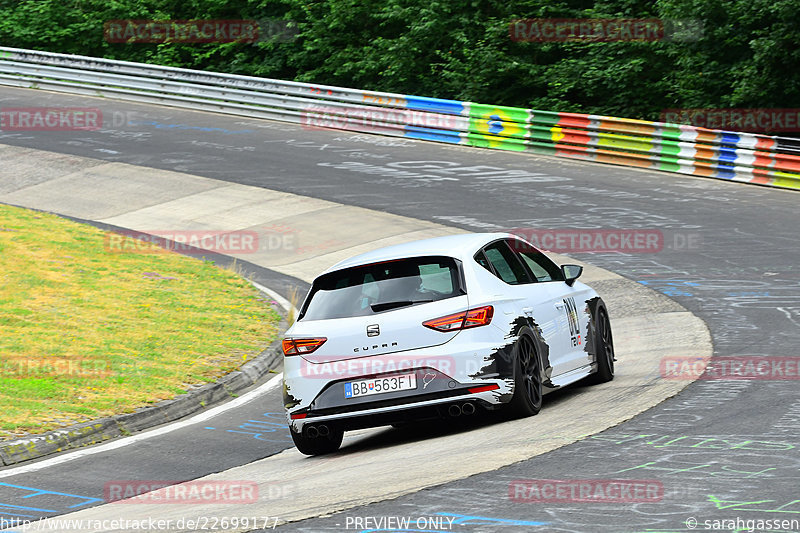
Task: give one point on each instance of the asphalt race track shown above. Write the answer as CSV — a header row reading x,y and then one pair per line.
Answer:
x,y
721,449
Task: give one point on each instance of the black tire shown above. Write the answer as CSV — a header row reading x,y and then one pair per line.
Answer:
x,y
603,347
527,399
319,445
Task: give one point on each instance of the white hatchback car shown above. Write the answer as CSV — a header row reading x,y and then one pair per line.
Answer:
x,y
438,328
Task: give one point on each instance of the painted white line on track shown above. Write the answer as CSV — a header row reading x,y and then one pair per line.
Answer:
x,y
125,441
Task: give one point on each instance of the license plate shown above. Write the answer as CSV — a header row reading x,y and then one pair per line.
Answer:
x,y
366,387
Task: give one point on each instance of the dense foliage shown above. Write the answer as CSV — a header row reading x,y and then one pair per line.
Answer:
x,y
748,55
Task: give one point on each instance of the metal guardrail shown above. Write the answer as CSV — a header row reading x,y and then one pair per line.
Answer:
x,y
746,157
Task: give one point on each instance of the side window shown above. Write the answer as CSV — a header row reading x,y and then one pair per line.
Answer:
x,y
538,263
507,266
480,258
538,270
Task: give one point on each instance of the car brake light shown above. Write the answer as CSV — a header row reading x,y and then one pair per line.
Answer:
x,y
302,346
480,316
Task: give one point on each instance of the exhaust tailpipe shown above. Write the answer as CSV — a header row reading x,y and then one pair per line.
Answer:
x,y
312,432
323,430
468,409
454,410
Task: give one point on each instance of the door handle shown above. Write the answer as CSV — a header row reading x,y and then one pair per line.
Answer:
x,y
527,310
559,305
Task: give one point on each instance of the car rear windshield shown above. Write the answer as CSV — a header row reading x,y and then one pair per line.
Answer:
x,y
380,287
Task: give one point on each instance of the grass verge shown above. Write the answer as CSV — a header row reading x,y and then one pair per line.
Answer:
x,y
86,332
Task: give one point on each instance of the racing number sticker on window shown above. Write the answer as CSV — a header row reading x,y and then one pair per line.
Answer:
x,y
572,319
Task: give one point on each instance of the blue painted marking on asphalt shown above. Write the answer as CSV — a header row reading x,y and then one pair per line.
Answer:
x,y
25,508
677,287
464,520
670,287
42,492
258,428
469,520
406,531
18,515
672,281
258,436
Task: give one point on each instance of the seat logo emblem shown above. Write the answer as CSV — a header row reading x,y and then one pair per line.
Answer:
x,y
373,330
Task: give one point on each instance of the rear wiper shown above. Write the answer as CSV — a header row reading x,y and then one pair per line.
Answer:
x,y
385,306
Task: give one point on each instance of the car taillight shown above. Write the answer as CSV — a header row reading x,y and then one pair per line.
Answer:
x,y
302,346
480,316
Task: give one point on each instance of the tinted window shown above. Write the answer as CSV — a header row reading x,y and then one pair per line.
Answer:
x,y
436,277
380,287
538,263
506,265
482,261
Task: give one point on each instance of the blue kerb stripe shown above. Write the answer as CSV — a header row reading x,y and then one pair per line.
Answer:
x,y
725,171
434,105
729,137
431,134
727,155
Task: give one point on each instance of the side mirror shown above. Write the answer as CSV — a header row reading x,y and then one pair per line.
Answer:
x,y
571,273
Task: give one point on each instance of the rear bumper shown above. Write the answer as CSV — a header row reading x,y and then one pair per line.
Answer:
x,y
445,373
383,415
